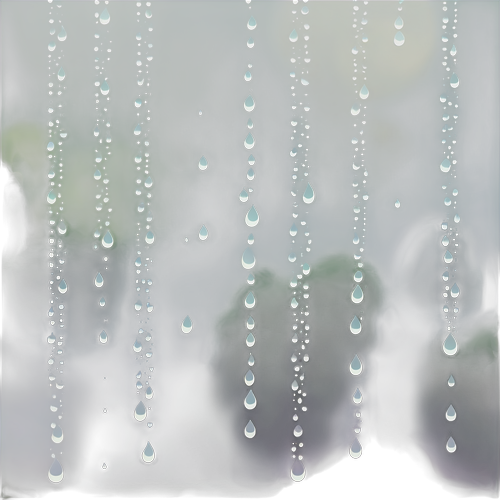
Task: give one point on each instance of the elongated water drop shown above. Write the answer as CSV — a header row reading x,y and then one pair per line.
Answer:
x,y
250,430
364,93
252,217
50,146
451,414
357,295
250,300
61,227
61,75
358,276
99,280
137,347
293,36
294,303
357,397
140,412
293,230
249,142
294,385
56,473
248,76
149,393
52,46
148,454
203,163
399,39
149,238
96,131
450,346
250,401
203,234
298,471
445,241
298,431
448,258
355,109
137,129
62,35
308,196
398,23
453,51
104,18
451,446
249,104
445,165
51,338
355,239
251,360
57,434
107,240
249,378
355,450
248,259
355,325
62,287
104,88
356,367
103,337
454,81
250,323
187,325
250,340
451,381
455,291
252,23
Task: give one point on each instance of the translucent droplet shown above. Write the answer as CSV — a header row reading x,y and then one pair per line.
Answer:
x,y
107,240
445,241
293,230
451,381
451,446
304,82
52,46
248,259
453,51
455,291
137,129
250,401
355,325
357,295
57,435
364,93
187,325
250,323
62,35
251,360
358,276
148,14
399,39
250,43
252,23
249,142
397,203
448,258
137,347
104,18
251,161
51,197
295,385
454,81
138,103
294,303
292,257
306,268
102,302
355,450
250,430
298,471
450,346
445,165
249,104
203,234
249,378
250,340
355,238
398,23
293,36
250,300
140,412
356,367
252,217
56,473
149,393
250,123
149,238
308,196
103,337
99,280
148,454
96,131
61,227
62,287
456,218
104,88
61,75
357,397
50,146
203,163
355,109
51,338
451,414
248,76
298,431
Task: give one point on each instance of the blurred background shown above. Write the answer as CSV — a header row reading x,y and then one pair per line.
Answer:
x,y
200,58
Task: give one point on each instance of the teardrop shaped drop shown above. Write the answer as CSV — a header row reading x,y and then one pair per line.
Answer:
x,y
451,414
450,346
249,104
250,401
137,129
252,23
357,397
355,450
140,412
149,238
298,431
454,81
107,240
357,295
252,217
51,338
445,241
399,39
62,35
104,18
398,23
137,347
203,234
445,165
356,367
250,174
104,88
149,393
62,287
243,196
186,325
448,258
248,259
51,197
250,340
298,471
355,239
251,360
148,454
364,93
61,227
57,434
250,300
148,183
308,196
249,378
455,291
355,325
451,446
203,163
103,337
355,109
358,276
50,146
61,75
99,280
56,473
293,230
451,381
293,36
295,385
250,430
294,303
249,142
453,51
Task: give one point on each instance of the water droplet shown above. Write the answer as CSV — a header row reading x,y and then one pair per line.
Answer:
x,y
306,269
251,161
104,88
399,39
454,81
451,446
250,401
295,385
249,142
61,227
450,346
140,412
104,18
451,414
137,130
148,454
250,300
99,280
298,431
456,218
52,46
50,146
203,234
148,14
252,23
107,240
356,367
250,43
103,337
292,257
137,347
304,10
397,203
62,287
62,35
203,163
56,473
355,109
250,123
355,325
187,325
358,276
251,360
451,381
357,295
293,36
445,241
250,323
298,471
250,340
248,259
57,435
304,82
149,238
308,196
149,393
294,303
293,230
398,23
51,197
355,238
249,378
355,450
250,430
364,93
51,338
357,397
96,131
252,217
455,291
448,258
445,165
138,103
248,76
453,51
61,75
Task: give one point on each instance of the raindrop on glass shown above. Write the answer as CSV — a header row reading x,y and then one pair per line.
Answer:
x,y
451,381
203,234
451,446
454,81
103,337
455,291
364,93
250,401
250,430
451,414
252,23
99,280
450,346
252,217
249,142
107,240
104,88
249,378
355,325
148,454
61,75
298,471
293,36
56,473
187,325
398,23
250,301
308,196
62,287
140,412
248,259
357,295
203,163
356,367
104,18
355,450
357,397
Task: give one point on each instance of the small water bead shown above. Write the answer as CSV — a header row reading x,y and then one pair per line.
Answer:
x,y
250,430
149,238
51,338
298,471
57,434
446,276
357,295
295,385
451,414
250,301
250,43
293,36
252,217
250,340
203,234
148,183
399,39
248,259
203,163
248,76
52,46
447,202
250,279
445,241
251,360
251,161
455,291
62,287
357,397
138,103
51,197
56,473
292,257
187,325
356,367
102,302
104,18
148,14
355,239
249,142
355,109
304,10
355,325
137,129
61,75
50,146
140,412
99,280
450,346
107,240
304,82
456,218
398,23
451,381
250,323
448,258
250,400
249,378
306,269
104,88
148,454
454,81
445,165
243,196
355,450
294,303
455,192
364,93
358,276
451,446
298,431
137,347
252,23
250,123
61,227
149,393
103,337
453,51
308,195
397,203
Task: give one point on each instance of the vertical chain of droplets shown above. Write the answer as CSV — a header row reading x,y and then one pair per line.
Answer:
x,y
57,227
248,258
300,243
360,195
399,38
449,241
102,150
144,234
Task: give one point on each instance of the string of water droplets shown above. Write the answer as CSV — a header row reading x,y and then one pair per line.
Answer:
x,y
57,228
399,38
248,258
144,234
360,195
300,243
449,241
